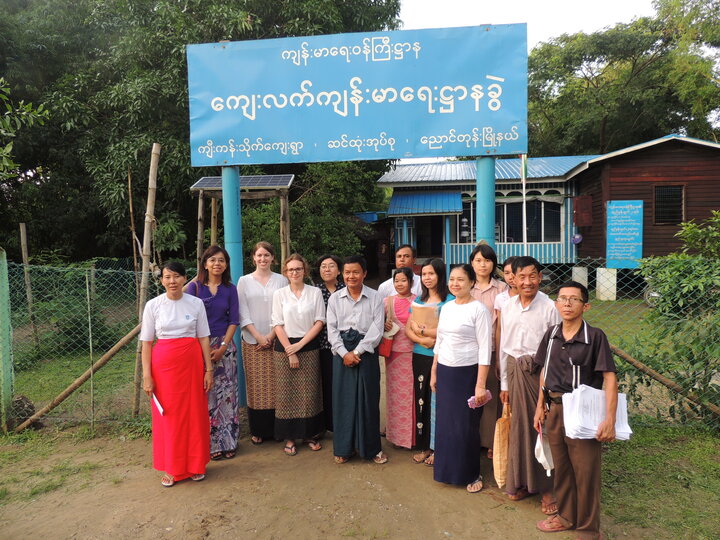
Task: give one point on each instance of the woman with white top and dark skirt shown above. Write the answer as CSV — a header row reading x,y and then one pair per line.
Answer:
x,y
459,372
298,315
255,293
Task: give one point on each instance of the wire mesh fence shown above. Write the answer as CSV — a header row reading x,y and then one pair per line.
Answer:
x,y
664,316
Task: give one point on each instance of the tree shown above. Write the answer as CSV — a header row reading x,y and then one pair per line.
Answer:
x,y
125,87
13,118
593,93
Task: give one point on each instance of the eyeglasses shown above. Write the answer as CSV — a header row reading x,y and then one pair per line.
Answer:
x,y
332,266
294,270
569,300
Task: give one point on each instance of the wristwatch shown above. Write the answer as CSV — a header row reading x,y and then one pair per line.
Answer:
x,y
223,344
356,352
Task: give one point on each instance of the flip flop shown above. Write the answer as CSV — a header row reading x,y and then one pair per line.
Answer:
x,y
430,460
380,458
217,456
197,477
341,459
549,509
551,524
256,440
230,454
167,481
472,487
422,456
314,445
519,495
290,449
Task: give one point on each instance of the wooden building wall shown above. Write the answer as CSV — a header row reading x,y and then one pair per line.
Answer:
x,y
634,176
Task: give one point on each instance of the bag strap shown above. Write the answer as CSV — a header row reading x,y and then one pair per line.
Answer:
x,y
547,355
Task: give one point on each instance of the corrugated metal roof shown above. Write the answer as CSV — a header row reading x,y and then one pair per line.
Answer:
x,y
464,172
425,202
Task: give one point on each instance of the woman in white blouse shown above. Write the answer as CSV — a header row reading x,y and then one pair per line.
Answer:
x,y
255,292
460,369
177,374
298,316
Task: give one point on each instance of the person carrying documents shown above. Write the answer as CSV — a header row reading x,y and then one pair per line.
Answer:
x,y
573,353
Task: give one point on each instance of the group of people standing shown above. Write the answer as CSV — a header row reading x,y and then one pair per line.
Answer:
x,y
462,347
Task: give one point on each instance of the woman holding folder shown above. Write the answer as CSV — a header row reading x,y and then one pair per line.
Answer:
x,y
177,374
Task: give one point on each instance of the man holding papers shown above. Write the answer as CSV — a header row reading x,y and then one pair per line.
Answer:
x,y
571,354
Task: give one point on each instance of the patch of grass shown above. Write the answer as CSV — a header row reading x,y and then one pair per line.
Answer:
x,y
46,486
4,493
618,318
665,479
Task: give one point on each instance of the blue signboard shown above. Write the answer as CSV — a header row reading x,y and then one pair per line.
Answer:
x,y
624,233
413,93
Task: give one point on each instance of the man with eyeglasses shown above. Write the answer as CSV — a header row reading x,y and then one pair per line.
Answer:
x,y
523,322
576,353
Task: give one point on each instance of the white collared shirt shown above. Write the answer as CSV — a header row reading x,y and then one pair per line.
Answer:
x,y
387,287
522,328
256,303
366,315
297,315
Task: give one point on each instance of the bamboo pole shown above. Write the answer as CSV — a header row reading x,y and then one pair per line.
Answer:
x,y
145,281
672,385
133,235
81,379
284,226
28,286
213,221
200,227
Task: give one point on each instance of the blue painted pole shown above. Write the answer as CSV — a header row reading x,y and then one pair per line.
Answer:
x,y
232,225
447,247
485,203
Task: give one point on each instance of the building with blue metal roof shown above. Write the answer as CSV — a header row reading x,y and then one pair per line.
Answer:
x,y
433,207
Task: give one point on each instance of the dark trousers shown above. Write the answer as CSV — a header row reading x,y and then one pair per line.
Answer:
x,y
422,367
576,476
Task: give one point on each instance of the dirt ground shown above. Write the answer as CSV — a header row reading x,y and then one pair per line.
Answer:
x,y
261,493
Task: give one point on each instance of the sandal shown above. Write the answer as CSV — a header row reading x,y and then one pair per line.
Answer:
x,y
290,449
552,524
314,445
340,460
167,480
256,440
548,508
475,486
216,456
430,460
519,495
422,456
229,454
197,477
490,453
380,458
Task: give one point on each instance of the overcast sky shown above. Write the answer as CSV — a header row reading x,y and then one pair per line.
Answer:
x,y
545,18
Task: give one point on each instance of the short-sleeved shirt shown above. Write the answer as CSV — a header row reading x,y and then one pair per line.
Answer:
x,y
417,348
579,360
297,315
221,308
256,303
464,335
164,318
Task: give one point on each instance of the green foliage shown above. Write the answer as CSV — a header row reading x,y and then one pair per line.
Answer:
x,y
689,285
13,118
114,77
702,238
594,93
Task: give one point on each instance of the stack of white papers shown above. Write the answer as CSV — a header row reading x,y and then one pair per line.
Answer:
x,y
584,411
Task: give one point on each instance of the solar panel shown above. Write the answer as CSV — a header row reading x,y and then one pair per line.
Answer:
x,y
259,181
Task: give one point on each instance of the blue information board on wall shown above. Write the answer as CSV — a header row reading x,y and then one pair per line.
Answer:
x,y
624,233
383,95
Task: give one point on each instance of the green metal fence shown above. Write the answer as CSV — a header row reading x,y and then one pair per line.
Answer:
x,y
665,318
